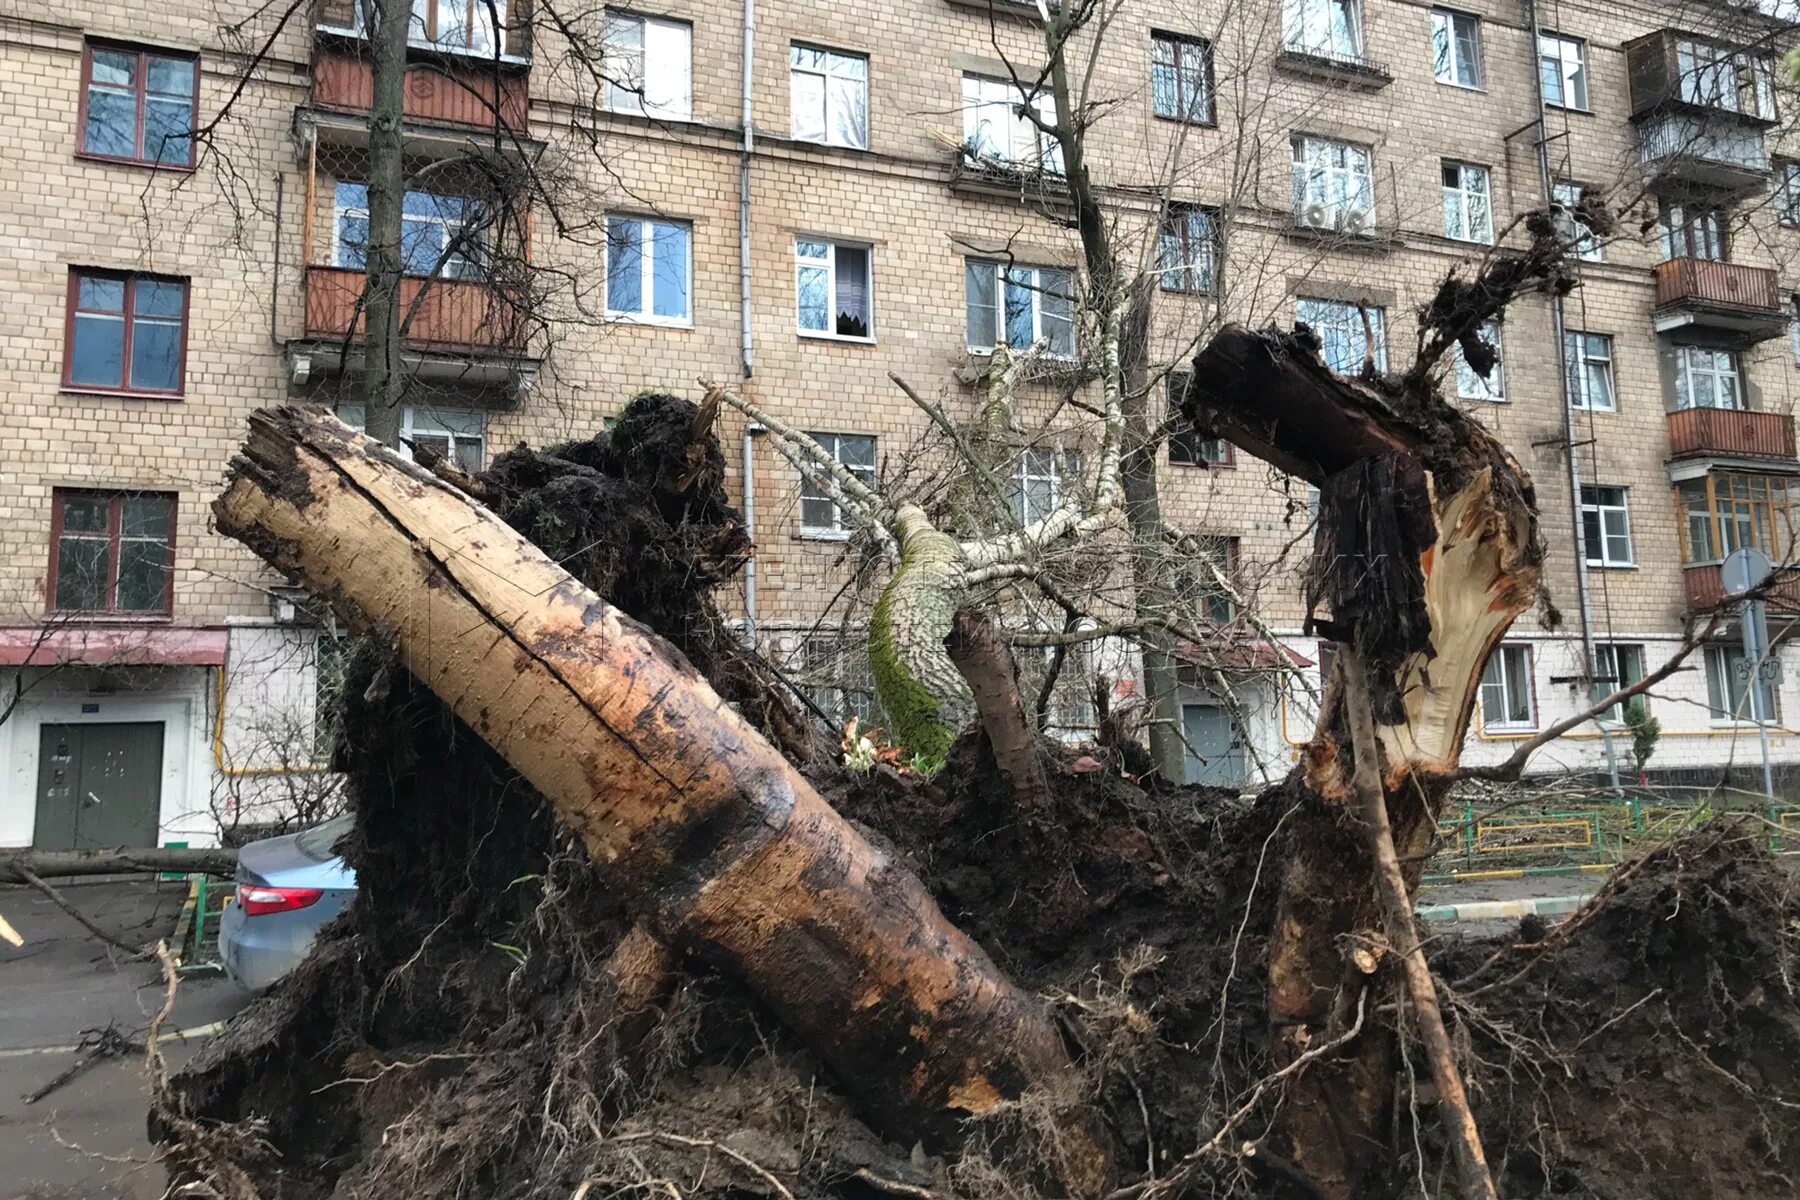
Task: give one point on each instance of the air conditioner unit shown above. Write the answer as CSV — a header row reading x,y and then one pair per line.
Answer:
x,y
1336,219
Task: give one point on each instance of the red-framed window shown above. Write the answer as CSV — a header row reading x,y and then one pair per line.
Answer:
x,y
138,105
112,553
126,332
1190,446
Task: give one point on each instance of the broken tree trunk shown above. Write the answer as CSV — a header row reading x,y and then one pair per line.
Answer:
x,y
56,864
978,651
725,849
1426,549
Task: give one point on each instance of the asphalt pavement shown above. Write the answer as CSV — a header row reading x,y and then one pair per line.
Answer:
x,y
59,991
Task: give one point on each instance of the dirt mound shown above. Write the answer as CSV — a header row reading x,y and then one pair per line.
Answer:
x,y
1650,1047
467,1029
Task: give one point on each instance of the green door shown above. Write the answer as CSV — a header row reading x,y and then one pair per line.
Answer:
x,y
99,785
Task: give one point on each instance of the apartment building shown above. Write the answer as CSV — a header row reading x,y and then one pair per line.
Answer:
x,y
800,202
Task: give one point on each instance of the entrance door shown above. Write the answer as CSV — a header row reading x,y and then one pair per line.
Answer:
x,y
1215,747
99,785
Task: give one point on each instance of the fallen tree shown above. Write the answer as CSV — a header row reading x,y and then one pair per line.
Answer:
x,y
123,861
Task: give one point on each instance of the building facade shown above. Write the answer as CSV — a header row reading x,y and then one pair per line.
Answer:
x,y
802,205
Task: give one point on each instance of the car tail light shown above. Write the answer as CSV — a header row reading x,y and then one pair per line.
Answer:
x,y
260,900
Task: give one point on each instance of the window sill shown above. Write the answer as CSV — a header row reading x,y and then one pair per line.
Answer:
x,y
1355,73
813,335
1584,112
1227,465
1482,399
1509,729
1605,566
1366,243
142,164
1582,408
1209,123
824,144
1018,9
1477,88
619,318
90,616
823,535
69,389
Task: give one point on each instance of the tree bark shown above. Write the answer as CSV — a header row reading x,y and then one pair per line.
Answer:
x,y
56,864
726,850
383,371
979,653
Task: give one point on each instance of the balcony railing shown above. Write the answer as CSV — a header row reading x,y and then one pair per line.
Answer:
x,y
1733,433
1725,297
445,93
1705,149
1705,588
454,314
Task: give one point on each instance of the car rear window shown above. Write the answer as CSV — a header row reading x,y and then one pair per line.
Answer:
x,y
318,842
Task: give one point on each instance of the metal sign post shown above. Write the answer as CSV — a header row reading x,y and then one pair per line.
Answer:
x,y
1743,570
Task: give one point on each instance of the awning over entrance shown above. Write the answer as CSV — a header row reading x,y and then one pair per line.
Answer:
x,y
112,646
1241,654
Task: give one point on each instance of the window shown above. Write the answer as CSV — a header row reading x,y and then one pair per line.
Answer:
x,y
1729,693
1573,225
1187,249
1562,70
1349,334
1507,698
1692,231
834,670
819,513
650,68
1037,482
1323,28
1718,77
1617,666
139,106
828,92
1469,383
476,26
1181,81
456,434
1189,445
1333,185
996,129
1587,361
1707,378
1021,306
1728,511
1468,203
1215,565
126,333
439,235
1606,526
1788,193
1456,48
833,290
112,552
648,270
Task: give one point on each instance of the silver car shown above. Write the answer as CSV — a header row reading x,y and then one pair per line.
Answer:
x,y
287,889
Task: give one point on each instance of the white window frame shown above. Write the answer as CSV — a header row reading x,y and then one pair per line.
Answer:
x,y
1338,179
829,264
1459,55
995,104
1344,319
1469,385
1507,663
833,444
1469,202
1579,358
1721,371
1723,700
1584,243
1563,51
837,67
1032,279
1610,508
464,264
663,60
1040,465
647,315
431,421
1719,77
1308,27
1609,662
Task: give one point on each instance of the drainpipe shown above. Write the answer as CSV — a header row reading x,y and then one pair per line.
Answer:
x,y
746,361
1557,325
748,473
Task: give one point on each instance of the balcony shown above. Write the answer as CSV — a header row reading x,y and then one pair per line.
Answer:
x,y
1705,588
454,314
1674,71
450,90
1730,433
1736,302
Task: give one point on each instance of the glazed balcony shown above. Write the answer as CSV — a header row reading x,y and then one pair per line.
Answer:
x,y
1672,71
453,315
1739,302
1730,433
